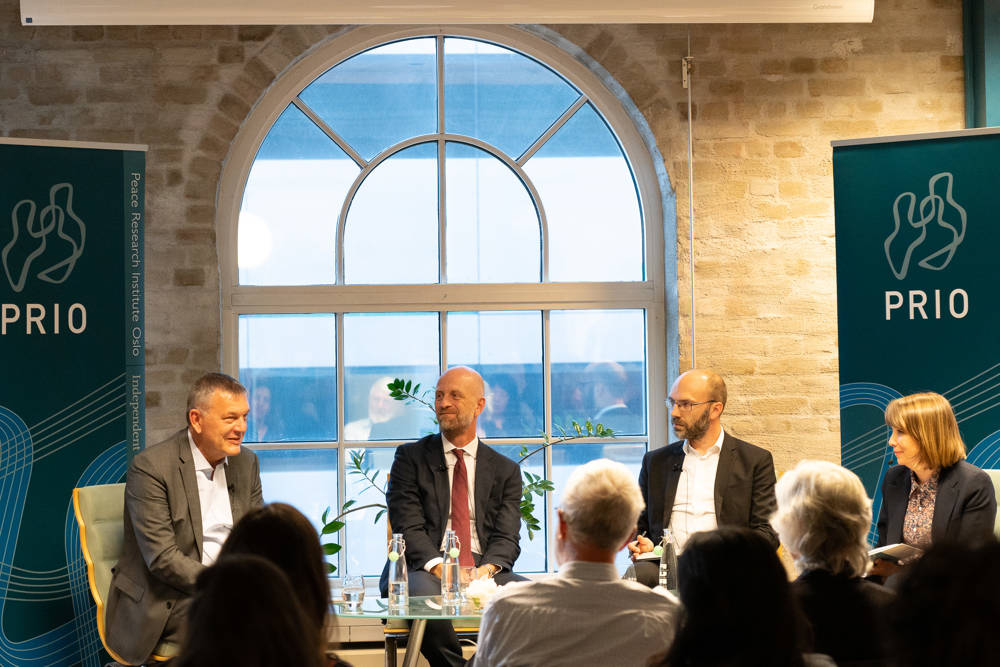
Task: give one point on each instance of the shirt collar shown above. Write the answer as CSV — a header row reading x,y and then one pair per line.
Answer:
x,y
470,449
582,569
714,449
201,464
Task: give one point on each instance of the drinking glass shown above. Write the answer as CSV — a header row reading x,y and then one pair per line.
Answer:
x,y
354,591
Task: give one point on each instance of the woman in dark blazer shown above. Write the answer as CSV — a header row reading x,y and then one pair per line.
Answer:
x,y
933,495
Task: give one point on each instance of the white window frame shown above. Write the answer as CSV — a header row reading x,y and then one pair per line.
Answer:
x,y
656,294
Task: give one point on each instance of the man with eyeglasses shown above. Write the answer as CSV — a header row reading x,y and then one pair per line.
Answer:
x,y
706,480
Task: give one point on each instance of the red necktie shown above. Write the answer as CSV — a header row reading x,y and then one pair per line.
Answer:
x,y
460,509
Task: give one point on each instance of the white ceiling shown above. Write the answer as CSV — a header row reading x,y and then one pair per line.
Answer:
x,y
272,12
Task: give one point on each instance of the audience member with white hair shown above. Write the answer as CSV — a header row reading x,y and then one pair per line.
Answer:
x,y
823,518
586,614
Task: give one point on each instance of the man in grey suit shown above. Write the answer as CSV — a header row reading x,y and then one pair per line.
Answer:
x,y
182,497
425,477
709,479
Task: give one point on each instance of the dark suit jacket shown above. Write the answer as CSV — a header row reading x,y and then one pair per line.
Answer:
x,y
847,614
964,510
161,552
419,500
744,487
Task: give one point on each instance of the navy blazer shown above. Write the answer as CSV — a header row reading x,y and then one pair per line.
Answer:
x,y
964,510
419,501
744,488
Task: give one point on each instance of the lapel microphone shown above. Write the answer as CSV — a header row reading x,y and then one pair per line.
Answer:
x,y
678,467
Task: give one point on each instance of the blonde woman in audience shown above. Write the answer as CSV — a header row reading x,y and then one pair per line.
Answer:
x,y
822,520
933,494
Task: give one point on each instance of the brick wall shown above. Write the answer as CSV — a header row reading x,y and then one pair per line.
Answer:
x,y
767,102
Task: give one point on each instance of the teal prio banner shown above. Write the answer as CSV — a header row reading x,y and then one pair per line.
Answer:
x,y
72,389
918,235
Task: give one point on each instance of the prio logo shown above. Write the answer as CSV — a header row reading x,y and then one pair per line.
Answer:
x,y
939,241
934,244
46,245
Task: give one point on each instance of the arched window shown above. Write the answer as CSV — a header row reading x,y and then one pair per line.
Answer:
x,y
402,201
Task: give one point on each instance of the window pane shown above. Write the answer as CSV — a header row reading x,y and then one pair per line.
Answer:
x,y
566,458
493,232
392,226
293,197
532,558
367,540
288,364
590,203
499,96
383,345
506,348
599,368
305,478
380,97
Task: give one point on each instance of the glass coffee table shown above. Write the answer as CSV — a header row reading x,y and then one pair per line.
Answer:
x,y
419,610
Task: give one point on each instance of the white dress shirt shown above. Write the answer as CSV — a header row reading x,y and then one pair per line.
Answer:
x,y
694,502
216,511
587,615
450,459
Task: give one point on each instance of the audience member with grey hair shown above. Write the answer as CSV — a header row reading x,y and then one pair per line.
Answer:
x,y
823,518
585,615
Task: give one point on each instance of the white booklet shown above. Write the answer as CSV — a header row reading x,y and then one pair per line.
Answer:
x,y
896,552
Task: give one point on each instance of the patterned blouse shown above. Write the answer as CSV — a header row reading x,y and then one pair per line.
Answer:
x,y
920,511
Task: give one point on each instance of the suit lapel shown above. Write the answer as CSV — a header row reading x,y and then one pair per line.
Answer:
x,y
897,495
484,479
947,497
726,458
674,464
439,473
187,474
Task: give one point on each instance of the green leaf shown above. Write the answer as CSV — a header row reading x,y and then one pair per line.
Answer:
x,y
576,427
331,568
416,388
347,504
331,548
326,513
332,527
379,515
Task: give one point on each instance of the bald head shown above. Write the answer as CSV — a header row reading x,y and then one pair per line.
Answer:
x,y
458,402
705,383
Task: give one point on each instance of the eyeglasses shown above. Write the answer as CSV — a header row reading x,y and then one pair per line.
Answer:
x,y
685,406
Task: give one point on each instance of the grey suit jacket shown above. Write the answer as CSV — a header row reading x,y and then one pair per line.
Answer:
x,y
964,510
419,501
744,487
161,552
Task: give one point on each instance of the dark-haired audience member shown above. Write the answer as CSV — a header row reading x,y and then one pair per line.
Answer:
x,y
245,613
948,607
283,535
737,606
823,519
933,494
586,615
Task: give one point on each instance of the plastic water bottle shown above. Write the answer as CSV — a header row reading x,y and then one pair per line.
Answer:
x,y
451,588
399,586
668,561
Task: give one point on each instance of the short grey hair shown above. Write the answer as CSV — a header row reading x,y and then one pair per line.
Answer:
x,y
208,384
601,504
823,518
